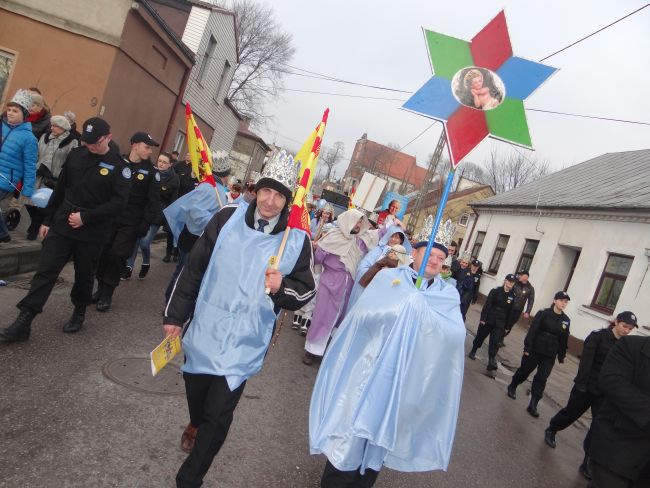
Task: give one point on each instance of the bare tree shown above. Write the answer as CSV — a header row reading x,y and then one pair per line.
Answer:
x,y
506,173
264,48
330,158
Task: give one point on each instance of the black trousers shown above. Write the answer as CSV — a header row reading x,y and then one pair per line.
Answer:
x,y
512,319
37,215
57,251
544,365
604,478
211,405
579,402
114,255
333,478
492,329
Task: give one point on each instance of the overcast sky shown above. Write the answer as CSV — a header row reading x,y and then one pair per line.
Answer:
x,y
381,43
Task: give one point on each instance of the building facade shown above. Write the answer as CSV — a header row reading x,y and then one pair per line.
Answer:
x,y
248,153
399,169
117,59
584,230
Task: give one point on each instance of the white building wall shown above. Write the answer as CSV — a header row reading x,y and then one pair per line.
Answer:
x,y
195,28
559,239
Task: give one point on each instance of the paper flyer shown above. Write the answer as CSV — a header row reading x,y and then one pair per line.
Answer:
x,y
163,353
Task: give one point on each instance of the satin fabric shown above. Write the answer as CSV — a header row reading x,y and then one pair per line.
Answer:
x,y
234,319
194,209
388,389
371,258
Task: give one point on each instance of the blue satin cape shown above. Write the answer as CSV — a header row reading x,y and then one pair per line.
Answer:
x,y
233,318
194,209
388,390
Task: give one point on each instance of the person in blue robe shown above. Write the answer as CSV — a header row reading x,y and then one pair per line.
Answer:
x,y
388,390
229,319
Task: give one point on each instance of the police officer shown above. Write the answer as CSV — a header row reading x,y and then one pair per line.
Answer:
x,y
494,317
547,339
187,178
141,211
469,285
524,298
92,189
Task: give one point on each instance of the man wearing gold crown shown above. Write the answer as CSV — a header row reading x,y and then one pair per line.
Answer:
x,y
388,390
232,323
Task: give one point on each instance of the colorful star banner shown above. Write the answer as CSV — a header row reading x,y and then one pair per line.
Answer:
x,y
478,88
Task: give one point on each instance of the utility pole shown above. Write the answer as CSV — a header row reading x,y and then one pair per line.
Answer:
x,y
428,182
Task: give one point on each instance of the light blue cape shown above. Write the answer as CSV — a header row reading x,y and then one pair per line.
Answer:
x,y
388,389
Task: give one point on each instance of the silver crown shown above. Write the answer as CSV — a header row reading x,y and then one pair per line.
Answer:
x,y
23,98
221,165
281,168
444,236
328,208
448,260
465,256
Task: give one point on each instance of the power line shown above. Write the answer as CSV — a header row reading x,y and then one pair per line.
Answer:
x,y
589,116
594,33
344,95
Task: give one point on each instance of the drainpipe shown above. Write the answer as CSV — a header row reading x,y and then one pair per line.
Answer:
x,y
179,100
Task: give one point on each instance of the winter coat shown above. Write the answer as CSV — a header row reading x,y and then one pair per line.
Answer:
x,y
524,296
18,156
548,334
169,183
52,153
597,346
497,307
621,430
40,123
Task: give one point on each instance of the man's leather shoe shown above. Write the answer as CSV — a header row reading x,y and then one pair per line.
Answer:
x,y
549,438
76,321
187,438
20,329
512,392
104,303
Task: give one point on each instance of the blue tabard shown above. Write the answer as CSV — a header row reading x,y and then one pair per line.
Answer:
x,y
194,209
233,319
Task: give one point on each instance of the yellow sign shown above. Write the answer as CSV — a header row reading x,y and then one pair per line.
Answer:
x,y
140,176
103,171
163,353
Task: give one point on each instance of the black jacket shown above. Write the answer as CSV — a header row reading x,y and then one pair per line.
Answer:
x,y
187,181
524,296
497,307
298,283
594,352
467,285
621,430
143,207
95,185
548,334
169,184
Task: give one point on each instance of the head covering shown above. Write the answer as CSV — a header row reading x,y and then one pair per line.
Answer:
x,y
221,167
340,242
561,295
465,256
403,256
442,239
328,208
94,129
512,278
279,174
392,230
524,271
22,98
143,137
60,121
71,116
627,317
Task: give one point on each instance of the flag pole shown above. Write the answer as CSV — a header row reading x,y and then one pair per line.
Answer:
x,y
441,207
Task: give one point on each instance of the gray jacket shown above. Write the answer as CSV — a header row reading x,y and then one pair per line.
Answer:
x,y
52,153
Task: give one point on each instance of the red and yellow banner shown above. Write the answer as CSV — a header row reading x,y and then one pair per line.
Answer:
x,y
308,157
200,153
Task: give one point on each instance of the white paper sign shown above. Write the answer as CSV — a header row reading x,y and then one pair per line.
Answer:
x,y
368,192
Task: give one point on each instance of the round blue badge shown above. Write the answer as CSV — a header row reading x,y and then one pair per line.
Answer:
x,y
126,172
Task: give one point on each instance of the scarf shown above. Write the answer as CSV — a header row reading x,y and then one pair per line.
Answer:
x,y
340,242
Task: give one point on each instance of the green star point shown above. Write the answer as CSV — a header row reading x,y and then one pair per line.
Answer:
x,y
448,54
508,122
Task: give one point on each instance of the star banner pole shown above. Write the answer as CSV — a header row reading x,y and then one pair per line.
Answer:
x,y
477,91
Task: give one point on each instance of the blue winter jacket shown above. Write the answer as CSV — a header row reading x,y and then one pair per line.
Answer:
x,y
18,157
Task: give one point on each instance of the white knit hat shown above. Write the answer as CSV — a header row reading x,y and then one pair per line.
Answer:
x,y
60,121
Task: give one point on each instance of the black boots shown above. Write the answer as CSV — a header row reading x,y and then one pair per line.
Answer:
x,y
472,353
167,258
76,321
104,299
532,406
492,363
584,468
512,391
144,269
549,438
20,329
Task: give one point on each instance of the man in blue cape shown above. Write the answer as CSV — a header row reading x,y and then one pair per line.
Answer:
x,y
222,289
388,390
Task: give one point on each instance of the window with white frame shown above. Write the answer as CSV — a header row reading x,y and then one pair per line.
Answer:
x,y
463,219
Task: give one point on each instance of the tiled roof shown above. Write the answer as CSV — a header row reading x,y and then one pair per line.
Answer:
x,y
431,199
614,180
396,164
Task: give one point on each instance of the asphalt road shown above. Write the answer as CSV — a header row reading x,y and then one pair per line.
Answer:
x,y
66,424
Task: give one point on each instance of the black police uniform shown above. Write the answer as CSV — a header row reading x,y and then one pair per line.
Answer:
x,y
494,317
141,211
547,339
467,286
98,187
187,181
524,298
